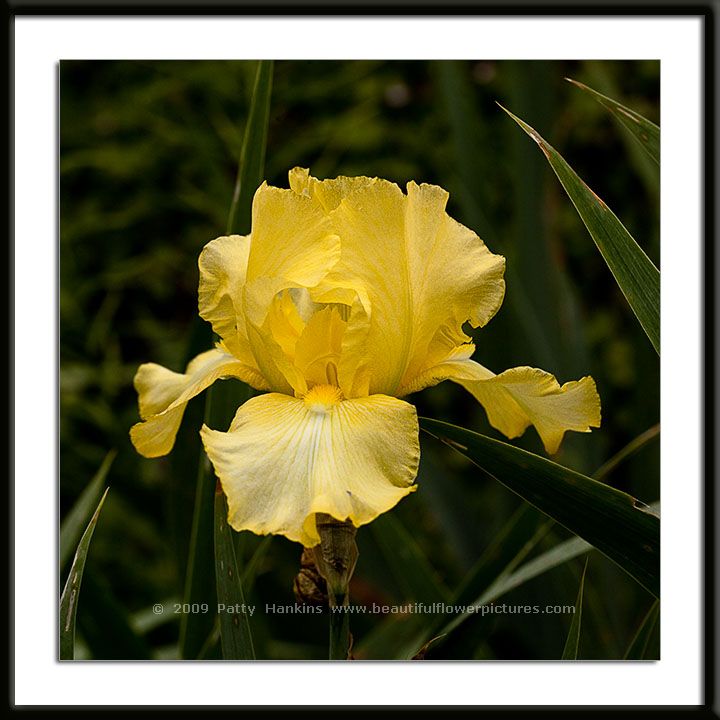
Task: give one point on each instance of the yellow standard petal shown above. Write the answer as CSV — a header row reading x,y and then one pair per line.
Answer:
x,y
454,279
163,395
328,193
525,396
285,459
292,239
223,268
419,273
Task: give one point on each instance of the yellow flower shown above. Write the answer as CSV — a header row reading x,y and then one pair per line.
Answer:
x,y
347,295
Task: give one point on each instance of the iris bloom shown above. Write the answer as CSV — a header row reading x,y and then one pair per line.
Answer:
x,y
347,296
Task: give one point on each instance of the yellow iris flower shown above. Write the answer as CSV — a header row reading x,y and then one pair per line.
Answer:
x,y
348,295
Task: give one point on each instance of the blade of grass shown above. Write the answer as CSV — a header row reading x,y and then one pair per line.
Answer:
x,y
633,270
495,573
532,88
76,520
145,620
645,132
572,642
522,532
252,155
71,592
235,633
517,539
642,645
563,552
612,521
200,583
407,561
200,576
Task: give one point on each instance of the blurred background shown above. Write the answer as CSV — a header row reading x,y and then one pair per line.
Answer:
x,y
147,167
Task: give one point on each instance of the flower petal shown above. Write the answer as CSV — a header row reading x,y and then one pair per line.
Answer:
x,y
454,278
285,459
371,223
223,267
274,326
525,396
317,352
328,193
424,274
292,239
163,395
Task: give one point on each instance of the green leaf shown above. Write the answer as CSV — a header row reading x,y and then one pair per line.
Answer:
x,y
612,521
145,620
200,575
572,642
252,157
643,645
562,552
235,634
71,592
498,570
76,520
200,579
645,132
633,270
520,535
407,561
525,528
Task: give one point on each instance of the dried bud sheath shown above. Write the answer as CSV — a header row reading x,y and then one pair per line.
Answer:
x,y
335,556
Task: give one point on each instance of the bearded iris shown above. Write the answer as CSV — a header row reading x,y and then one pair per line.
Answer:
x,y
347,295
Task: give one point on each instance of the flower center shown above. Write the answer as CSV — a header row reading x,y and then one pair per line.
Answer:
x,y
321,398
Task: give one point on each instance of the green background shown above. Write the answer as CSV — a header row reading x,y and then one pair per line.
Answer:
x,y
147,166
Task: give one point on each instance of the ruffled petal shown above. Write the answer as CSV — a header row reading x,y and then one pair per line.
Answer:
x,y
285,459
454,278
525,396
371,223
223,268
421,274
292,239
328,193
274,326
163,395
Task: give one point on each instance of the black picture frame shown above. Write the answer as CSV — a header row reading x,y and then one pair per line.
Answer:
x,y
708,12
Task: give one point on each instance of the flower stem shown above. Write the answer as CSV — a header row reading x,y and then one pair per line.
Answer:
x,y
335,559
339,631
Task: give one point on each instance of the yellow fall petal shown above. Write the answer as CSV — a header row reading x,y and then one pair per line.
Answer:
x,y
525,396
285,459
163,395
